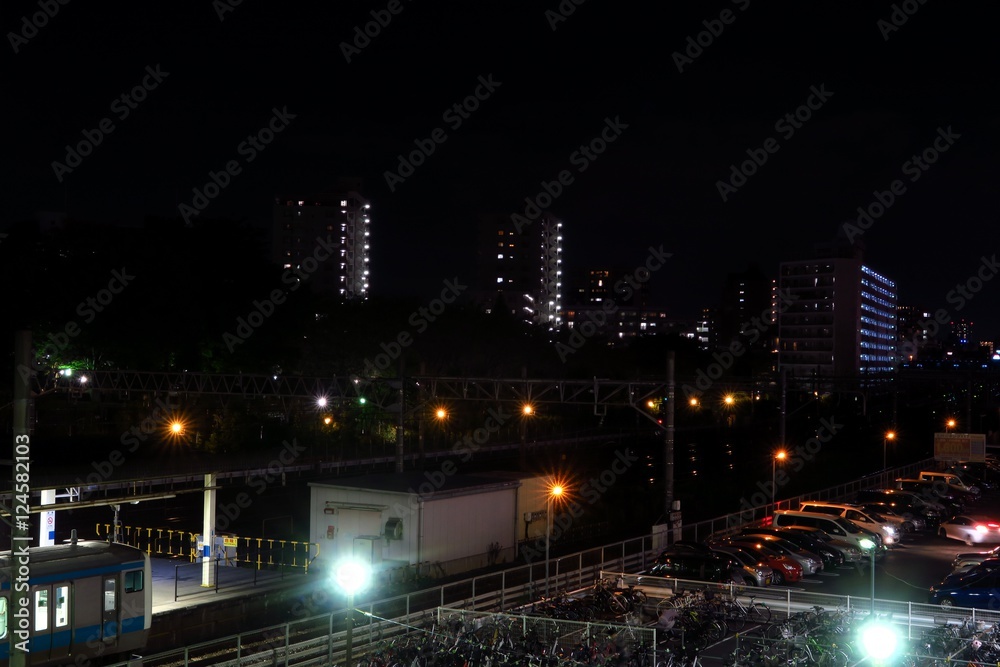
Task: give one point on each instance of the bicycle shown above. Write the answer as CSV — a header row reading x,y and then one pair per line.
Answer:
x,y
755,613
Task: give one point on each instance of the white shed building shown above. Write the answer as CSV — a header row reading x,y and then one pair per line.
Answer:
x,y
430,523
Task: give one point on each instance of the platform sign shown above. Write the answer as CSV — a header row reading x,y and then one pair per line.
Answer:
x,y
960,447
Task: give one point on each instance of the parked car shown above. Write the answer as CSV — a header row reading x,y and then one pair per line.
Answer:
x,y
850,553
935,491
906,522
758,572
967,560
979,591
785,569
856,515
951,479
811,563
836,526
987,565
905,503
698,565
971,529
830,555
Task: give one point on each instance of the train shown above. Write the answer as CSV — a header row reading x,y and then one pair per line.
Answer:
x,y
88,602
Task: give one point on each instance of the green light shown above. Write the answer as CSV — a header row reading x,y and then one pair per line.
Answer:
x,y
362,400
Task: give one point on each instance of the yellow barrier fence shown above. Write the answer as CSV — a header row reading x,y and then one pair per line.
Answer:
x,y
258,552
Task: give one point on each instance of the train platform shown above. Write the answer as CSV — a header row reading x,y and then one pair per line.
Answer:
x,y
179,584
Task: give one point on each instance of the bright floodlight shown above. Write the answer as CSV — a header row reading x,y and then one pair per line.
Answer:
x,y
321,401
557,490
176,427
879,641
866,544
527,409
352,576
440,413
729,400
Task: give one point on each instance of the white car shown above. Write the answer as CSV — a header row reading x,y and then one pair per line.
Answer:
x,y
971,529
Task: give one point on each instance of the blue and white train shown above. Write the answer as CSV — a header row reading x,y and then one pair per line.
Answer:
x,y
86,601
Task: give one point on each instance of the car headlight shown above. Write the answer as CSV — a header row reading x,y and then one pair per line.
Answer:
x,y
788,567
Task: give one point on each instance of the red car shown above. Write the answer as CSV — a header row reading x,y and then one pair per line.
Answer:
x,y
785,569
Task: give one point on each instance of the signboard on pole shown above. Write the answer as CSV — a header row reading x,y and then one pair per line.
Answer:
x,y
960,447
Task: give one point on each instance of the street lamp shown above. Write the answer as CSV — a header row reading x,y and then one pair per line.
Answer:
x,y
351,576
555,492
948,425
869,546
779,455
879,641
889,435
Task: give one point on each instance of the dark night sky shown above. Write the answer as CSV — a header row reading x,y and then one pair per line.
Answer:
x,y
656,184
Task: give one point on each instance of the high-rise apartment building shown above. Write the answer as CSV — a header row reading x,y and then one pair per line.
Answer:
x,y
838,318
521,270
324,240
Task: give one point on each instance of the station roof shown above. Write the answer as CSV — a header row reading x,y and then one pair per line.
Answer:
x,y
432,483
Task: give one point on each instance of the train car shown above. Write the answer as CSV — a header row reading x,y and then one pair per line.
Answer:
x,y
87,600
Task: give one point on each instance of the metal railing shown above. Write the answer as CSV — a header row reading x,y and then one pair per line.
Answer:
x,y
256,552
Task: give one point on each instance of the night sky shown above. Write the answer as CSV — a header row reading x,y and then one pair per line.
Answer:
x,y
681,93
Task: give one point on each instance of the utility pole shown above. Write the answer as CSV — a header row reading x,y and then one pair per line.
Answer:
x,y
668,445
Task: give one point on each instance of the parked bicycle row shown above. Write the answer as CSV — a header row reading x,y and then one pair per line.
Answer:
x,y
502,640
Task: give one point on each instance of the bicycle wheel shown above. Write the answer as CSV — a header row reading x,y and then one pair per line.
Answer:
x,y
736,618
759,613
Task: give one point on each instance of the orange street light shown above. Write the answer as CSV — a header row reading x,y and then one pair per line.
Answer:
x,y
556,491
889,435
779,455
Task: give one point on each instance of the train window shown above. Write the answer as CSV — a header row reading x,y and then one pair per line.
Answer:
x,y
133,581
109,595
41,610
62,606
3,618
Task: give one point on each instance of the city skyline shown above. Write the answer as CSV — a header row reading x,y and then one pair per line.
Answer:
x,y
731,135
